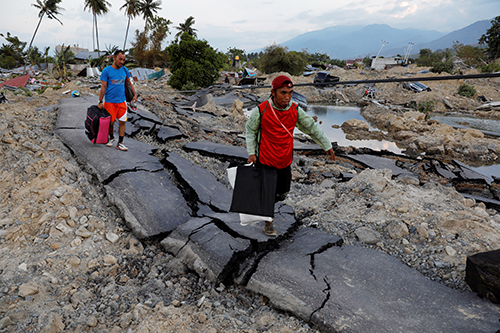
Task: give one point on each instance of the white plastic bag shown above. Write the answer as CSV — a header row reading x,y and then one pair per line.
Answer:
x,y
245,219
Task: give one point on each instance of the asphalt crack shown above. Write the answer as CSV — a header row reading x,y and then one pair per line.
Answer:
x,y
124,171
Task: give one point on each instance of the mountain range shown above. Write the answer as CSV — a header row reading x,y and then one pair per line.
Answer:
x,y
357,41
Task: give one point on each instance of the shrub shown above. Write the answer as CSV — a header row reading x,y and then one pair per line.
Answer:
x,y
490,68
426,107
466,90
443,66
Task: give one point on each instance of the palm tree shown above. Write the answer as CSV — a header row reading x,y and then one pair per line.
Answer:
x,y
148,8
187,26
97,8
132,11
62,60
47,7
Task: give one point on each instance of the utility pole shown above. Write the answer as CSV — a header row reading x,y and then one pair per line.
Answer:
x,y
407,53
375,61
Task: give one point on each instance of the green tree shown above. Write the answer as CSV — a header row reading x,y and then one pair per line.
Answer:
x,y
492,39
147,46
232,52
469,54
11,54
47,7
132,10
276,58
338,62
193,63
97,8
187,26
440,61
148,9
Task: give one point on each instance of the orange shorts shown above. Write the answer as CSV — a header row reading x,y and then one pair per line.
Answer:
x,y
117,110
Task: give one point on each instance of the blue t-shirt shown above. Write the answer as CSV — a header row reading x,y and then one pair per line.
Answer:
x,y
115,90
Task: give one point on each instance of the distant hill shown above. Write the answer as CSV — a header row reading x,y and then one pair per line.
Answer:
x,y
349,42
468,35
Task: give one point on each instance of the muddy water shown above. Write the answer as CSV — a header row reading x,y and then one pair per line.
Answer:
x,y
329,115
481,124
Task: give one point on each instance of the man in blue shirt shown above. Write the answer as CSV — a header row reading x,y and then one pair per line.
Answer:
x,y
113,92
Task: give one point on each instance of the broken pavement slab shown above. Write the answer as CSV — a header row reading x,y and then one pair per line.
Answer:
x,y
378,162
284,223
217,150
135,180
355,289
208,190
219,248
208,250
150,203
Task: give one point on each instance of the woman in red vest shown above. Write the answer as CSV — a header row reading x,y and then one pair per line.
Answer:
x,y
269,136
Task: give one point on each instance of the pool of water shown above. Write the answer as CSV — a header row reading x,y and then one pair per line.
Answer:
x,y
330,115
481,124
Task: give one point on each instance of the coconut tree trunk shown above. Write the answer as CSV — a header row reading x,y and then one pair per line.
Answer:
x,y
97,37
93,34
126,34
32,39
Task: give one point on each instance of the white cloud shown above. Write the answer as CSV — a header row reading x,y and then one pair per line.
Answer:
x,y
246,25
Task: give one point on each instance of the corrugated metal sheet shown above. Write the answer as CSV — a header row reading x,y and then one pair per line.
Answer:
x,y
19,81
93,71
140,74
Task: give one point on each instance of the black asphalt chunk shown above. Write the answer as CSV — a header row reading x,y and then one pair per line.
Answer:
x,y
203,247
355,289
165,133
218,150
378,162
131,129
467,173
145,124
284,223
150,203
208,190
107,161
147,115
306,147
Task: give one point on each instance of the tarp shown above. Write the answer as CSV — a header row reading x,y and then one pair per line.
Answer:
x,y
156,75
248,72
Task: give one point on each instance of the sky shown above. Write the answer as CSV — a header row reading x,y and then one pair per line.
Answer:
x,y
247,25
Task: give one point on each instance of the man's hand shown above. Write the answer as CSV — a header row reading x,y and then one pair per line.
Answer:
x,y
134,99
331,154
252,159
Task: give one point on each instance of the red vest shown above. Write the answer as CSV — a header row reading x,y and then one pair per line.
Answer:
x,y
276,142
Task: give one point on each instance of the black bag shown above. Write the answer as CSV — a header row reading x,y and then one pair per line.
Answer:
x,y
129,94
254,191
97,124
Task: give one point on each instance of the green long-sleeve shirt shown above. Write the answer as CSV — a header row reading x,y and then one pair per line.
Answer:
x,y
305,124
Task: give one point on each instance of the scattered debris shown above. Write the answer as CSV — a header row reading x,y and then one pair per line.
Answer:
x,y
416,86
